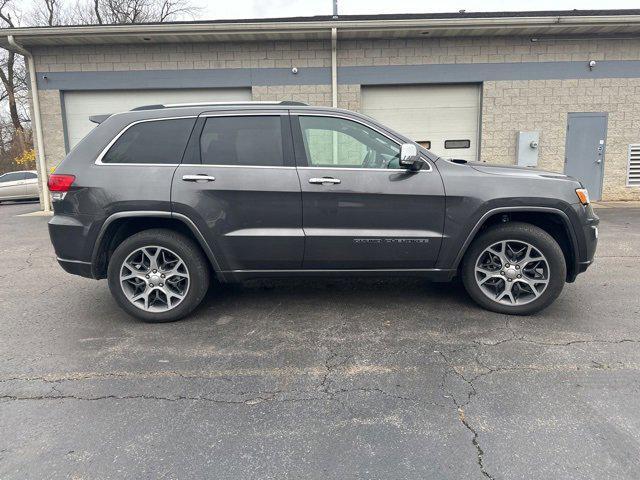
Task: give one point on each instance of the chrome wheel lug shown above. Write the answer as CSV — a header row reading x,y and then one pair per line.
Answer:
x,y
151,284
507,265
501,273
511,280
519,276
155,271
147,276
517,267
162,276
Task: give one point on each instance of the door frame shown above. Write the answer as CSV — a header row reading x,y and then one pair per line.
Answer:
x,y
604,152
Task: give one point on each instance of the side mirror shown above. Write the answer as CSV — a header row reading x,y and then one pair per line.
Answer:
x,y
409,157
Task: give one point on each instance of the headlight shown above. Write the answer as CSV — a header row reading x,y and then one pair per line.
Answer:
x,y
583,195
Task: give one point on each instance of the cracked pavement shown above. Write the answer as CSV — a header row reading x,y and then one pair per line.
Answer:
x,y
391,378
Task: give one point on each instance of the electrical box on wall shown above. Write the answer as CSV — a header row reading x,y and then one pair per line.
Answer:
x,y
527,152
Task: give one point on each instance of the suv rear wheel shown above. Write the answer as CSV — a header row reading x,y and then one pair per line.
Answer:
x,y
158,275
514,268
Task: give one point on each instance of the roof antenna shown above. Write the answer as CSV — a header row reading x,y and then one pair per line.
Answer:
x,y
335,9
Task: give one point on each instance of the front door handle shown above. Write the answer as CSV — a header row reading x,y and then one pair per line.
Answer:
x,y
323,180
198,178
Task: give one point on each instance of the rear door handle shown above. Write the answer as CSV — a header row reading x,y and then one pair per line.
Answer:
x,y
198,178
323,180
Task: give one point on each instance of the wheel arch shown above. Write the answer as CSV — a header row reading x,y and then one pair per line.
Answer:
x,y
552,220
121,225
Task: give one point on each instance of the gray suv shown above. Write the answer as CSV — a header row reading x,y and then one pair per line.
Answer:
x,y
160,199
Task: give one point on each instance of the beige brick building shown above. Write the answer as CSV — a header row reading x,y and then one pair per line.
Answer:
x,y
475,78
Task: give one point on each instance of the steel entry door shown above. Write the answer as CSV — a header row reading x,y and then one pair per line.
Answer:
x,y
585,148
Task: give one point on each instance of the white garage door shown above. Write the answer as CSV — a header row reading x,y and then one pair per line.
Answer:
x,y
80,105
443,118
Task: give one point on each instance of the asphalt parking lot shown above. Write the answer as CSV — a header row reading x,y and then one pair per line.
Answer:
x,y
371,378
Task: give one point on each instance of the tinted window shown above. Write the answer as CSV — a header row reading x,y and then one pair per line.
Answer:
x,y
242,140
457,144
29,175
161,141
336,142
12,177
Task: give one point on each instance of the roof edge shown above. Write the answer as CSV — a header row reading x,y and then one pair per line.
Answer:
x,y
567,18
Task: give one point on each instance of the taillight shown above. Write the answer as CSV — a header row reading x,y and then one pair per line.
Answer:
x,y
60,183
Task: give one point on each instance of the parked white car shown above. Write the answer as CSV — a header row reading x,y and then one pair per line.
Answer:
x,y
19,185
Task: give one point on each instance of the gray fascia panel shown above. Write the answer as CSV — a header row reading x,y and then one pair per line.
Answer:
x,y
373,75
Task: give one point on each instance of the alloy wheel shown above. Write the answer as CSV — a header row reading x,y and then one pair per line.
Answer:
x,y
512,272
154,279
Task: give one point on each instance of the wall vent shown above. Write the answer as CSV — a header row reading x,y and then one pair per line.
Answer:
x,y
633,166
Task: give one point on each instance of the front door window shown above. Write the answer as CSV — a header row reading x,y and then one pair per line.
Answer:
x,y
332,142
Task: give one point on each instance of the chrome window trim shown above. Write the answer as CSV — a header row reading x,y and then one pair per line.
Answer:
x,y
235,166
355,169
127,127
357,120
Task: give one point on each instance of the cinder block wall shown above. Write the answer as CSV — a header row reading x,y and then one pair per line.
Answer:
x,y
302,54
508,106
543,105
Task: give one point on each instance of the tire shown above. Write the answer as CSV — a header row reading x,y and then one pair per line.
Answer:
x,y
532,286
187,278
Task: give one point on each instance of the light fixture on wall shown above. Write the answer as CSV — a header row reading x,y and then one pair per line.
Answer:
x,y
294,70
592,64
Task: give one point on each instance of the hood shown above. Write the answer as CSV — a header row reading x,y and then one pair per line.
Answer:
x,y
515,171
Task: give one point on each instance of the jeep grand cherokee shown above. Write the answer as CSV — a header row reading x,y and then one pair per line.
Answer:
x,y
159,199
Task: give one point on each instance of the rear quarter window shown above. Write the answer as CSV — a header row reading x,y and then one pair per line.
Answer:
x,y
156,141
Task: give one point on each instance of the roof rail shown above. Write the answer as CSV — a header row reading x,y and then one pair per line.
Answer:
x,y
206,104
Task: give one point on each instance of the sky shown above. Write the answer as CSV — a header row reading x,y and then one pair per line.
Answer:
x,y
215,9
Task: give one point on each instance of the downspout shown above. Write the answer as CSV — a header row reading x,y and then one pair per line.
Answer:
x,y
334,85
334,67
37,123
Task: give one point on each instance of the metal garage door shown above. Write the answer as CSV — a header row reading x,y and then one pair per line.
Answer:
x,y
444,118
79,105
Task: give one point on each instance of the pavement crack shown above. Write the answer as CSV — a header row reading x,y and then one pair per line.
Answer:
x,y
514,337
331,363
261,398
476,444
461,414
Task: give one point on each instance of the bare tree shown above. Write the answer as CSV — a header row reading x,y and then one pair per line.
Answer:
x,y
50,13
12,81
131,11
15,138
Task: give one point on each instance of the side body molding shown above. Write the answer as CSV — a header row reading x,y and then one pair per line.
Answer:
x,y
158,214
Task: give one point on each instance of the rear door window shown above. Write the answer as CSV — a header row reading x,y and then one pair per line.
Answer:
x,y
158,142
242,141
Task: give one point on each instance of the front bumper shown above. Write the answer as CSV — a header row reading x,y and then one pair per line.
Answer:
x,y
588,237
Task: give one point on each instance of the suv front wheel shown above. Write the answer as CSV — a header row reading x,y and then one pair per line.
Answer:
x,y
514,268
158,275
